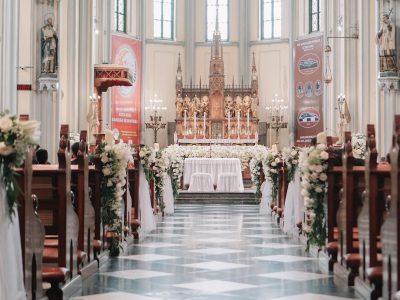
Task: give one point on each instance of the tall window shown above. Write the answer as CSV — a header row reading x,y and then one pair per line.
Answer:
x,y
270,19
222,18
315,15
120,15
164,19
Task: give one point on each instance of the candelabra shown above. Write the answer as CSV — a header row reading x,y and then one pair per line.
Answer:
x,y
276,117
155,119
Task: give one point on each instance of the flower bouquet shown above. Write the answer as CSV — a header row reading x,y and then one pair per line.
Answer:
x,y
255,170
271,170
147,157
16,137
291,159
315,187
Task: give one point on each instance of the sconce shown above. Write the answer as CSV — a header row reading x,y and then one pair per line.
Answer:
x,y
352,32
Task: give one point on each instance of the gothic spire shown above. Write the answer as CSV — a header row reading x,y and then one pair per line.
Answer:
x,y
253,67
179,64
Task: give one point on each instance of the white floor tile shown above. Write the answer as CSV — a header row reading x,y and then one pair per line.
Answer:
x,y
135,274
216,240
115,296
312,297
295,276
215,286
217,231
266,236
158,245
147,257
283,258
215,265
216,251
276,246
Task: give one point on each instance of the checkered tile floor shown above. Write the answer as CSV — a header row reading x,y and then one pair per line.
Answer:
x,y
214,252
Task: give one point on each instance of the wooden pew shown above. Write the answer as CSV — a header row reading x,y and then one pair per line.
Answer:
x,y
370,219
51,183
84,208
334,194
353,186
390,230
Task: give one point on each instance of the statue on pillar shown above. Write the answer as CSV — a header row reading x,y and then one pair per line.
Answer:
x,y
344,117
386,39
49,47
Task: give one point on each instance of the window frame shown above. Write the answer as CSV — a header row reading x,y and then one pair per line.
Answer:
x,y
273,20
311,14
227,22
118,15
162,20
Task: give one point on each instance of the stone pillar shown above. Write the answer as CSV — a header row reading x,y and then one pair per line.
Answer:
x,y
9,55
143,14
190,35
293,6
244,53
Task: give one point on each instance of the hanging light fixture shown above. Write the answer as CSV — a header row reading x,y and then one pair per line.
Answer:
x,y
328,71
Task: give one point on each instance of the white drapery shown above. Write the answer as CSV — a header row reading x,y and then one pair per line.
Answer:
x,y
201,183
11,275
294,206
168,196
146,216
265,198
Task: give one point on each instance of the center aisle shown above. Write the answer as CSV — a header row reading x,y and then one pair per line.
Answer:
x,y
214,252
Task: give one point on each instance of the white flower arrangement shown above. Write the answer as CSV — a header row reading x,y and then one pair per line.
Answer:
x,y
255,170
271,164
147,157
114,158
314,166
16,138
291,159
359,143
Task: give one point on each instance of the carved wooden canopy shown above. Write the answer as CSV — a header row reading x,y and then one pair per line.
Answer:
x,y
108,75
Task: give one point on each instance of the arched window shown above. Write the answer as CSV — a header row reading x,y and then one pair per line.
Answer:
x,y
270,19
164,15
315,15
222,18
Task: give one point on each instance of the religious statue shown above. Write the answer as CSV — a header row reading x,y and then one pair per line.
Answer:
x,y
345,117
179,106
228,106
49,47
92,118
196,104
246,105
386,39
254,106
204,104
238,105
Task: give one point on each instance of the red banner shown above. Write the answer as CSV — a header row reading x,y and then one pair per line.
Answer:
x,y
125,100
309,93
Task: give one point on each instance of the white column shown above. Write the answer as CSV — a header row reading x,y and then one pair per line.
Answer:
x,y
143,19
292,36
9,55
244,53
190,33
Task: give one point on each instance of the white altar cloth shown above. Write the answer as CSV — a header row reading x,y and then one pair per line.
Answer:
x,y
213,166
229,183
201,183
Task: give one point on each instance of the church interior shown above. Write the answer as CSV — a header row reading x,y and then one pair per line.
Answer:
x,y
199,149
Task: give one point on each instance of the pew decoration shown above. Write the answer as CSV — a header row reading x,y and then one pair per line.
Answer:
x,y
272,165
291,158
315,187
147,157
160,168
255,171
16,137
114,159
359,144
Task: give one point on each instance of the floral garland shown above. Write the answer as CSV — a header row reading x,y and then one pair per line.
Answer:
x,y
114,159
271,170
176,172
315,187
16,137
359,143
147,157
255,170
291,159
160,168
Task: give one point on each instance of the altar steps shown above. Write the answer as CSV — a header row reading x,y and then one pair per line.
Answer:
x,y
247,197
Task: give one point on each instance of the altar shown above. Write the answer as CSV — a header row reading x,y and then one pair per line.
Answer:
x,y
202,174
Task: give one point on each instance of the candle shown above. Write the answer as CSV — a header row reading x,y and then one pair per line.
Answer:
x,y
229,121
204,124
156,147
238,123
184,122
195,123
248,119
